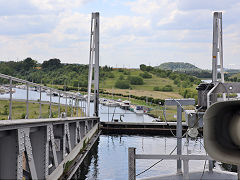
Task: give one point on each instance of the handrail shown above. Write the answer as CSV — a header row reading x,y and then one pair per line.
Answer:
x,y
65,94
132,156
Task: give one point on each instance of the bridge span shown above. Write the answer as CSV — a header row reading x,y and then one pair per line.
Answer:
x,y
42,148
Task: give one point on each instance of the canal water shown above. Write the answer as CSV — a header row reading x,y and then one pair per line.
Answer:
x,y
107,159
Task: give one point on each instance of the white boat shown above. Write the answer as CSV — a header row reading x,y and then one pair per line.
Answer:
x,y
111,103
138,110
21,86
103,101
125,105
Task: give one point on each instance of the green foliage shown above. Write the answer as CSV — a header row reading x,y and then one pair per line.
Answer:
x,y
146,75
126,72
23,115
135,80
143,67
5,111
121,77
186,68
177,66
156,88
51,64
167,88
189,93
122,84
111,75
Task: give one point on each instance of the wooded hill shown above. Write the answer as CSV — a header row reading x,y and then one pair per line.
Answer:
x,y
185,68
147,78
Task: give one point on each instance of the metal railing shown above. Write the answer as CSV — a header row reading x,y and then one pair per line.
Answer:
x,y
132,156
77,102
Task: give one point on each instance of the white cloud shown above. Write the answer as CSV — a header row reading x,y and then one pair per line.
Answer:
x,y
142,31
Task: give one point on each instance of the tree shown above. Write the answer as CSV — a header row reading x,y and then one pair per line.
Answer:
x,y
51,64
29,63
143,67
146,75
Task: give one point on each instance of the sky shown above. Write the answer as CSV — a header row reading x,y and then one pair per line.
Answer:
x,y
132,32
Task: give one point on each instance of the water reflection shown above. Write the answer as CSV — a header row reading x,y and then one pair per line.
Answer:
x,y
89,167
108,157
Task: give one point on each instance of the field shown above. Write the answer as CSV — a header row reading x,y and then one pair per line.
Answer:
x,y
148,85
154,94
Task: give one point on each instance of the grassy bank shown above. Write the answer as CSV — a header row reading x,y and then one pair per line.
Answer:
x,y
19,110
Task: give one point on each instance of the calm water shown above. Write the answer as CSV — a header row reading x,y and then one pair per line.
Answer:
x,y
108,158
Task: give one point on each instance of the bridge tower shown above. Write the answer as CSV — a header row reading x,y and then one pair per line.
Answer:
x,y
94,64
217,49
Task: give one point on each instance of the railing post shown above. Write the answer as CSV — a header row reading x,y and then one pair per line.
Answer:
x,y
40,102
27,103
10,100
66,104
72,107
59,98
50,109
81,108
185,169
179,138
77,105
210,162
131,163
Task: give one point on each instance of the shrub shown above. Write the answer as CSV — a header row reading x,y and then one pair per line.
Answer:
x,y
156,88
126,72
167,88
111,75
121,77
146,75
122,84
135,80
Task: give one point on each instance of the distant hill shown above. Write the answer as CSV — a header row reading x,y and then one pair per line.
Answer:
x,y
178,66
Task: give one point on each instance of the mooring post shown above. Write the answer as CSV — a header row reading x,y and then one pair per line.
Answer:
x,y
131,163
179,138
10,100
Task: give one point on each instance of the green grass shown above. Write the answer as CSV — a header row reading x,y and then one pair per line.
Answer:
x,y
19,110
148,85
